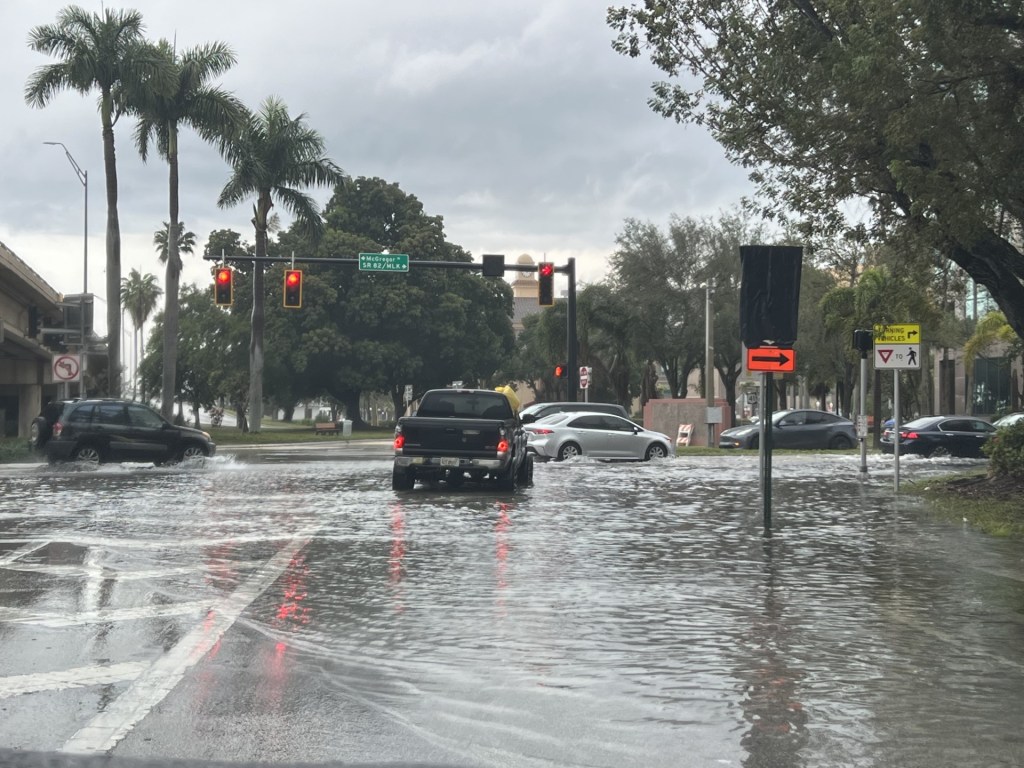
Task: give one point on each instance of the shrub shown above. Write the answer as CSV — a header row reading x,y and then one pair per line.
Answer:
x,y
1006,451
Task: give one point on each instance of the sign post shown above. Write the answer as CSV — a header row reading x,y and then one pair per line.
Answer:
x,y
897,346
585,371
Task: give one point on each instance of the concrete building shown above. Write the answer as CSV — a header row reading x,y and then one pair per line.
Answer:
x,y
26,366
525,292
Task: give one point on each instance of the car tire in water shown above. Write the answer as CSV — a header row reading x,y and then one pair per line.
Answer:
x,y
569,451
939,452
655,451
191,453
88,454
509,479
840,442
401,480
35,433
526,470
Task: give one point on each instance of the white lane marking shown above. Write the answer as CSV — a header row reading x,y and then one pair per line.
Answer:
x,y
151,687
16,554
103,616
109,572
79,677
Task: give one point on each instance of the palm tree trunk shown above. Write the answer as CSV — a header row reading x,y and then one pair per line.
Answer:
x,y
113,253
173,278
263,206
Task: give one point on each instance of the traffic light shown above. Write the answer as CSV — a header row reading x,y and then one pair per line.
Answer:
x,y
560,371
546,278
293,288
223,286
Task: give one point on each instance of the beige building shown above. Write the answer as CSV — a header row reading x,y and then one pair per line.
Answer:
x,y
525,292
26,379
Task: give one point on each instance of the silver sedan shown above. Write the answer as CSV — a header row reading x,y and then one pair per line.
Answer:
x,y
595,435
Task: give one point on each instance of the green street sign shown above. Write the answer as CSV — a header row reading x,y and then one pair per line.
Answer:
x,y
383,262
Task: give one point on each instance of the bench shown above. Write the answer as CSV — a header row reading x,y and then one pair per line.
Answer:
x,y
326,428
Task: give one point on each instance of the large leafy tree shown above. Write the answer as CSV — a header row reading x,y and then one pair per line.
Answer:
x,y
273,158
98,52
655,273
211,354
914,106
211,112
382,332
139,295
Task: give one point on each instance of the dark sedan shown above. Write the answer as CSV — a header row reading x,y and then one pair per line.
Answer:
x,y
795,429
941,436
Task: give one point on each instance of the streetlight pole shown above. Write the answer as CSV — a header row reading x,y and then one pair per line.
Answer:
x,y
83,176
709,362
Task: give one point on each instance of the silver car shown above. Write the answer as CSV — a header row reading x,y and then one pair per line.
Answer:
x,y
596,435
1009,420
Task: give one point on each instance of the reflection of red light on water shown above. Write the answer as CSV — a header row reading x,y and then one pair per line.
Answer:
x,y
294,593
397,554
501,552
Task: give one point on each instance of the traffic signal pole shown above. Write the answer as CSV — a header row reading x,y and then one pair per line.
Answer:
x,y
572,379
490,263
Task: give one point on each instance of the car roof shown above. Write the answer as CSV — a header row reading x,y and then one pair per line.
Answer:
x,y
576,406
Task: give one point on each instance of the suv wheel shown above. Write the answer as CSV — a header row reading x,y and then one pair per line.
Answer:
x,y
88,454
35,433
191,454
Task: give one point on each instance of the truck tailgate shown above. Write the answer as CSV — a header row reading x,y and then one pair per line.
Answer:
x,y
425,436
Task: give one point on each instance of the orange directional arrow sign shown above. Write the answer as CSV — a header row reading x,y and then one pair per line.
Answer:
x,y
771,359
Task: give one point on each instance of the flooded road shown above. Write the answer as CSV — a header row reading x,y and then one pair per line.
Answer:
x,y
290,607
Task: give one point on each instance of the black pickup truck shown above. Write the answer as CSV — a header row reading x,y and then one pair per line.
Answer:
x,y
458,435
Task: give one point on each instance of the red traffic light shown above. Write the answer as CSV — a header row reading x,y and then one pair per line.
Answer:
x,y
560,371
546,286
223,286
293,288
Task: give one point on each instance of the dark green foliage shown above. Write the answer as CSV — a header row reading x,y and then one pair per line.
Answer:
x,y
1005,450
913,107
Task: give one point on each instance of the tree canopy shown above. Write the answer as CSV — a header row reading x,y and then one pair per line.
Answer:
x,y
913,106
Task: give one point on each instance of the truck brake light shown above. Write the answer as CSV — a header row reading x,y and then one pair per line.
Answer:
x,y
57,429
399,442
503,446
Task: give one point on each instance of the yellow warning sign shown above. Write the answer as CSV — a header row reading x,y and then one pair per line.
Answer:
x,y
898,333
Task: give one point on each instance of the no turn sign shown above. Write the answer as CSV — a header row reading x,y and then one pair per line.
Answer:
x,y
67,368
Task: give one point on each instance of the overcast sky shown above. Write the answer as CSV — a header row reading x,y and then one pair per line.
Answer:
x,y
515,121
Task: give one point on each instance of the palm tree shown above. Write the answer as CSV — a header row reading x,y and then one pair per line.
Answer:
x,y
214,114
98,52
186,241
139,294
271,159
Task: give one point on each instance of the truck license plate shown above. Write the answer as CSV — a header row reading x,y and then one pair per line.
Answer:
x,y
449,461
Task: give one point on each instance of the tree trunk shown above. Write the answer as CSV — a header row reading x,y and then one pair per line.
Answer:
x,y
173,278
263,207
997,265
113,252
350,400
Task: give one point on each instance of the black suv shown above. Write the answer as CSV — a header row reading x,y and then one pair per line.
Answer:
x,y
102,430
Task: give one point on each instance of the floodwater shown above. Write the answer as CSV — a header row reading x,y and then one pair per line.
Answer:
x,y
292,607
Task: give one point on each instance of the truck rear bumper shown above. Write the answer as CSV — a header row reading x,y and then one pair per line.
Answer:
x,y
449,462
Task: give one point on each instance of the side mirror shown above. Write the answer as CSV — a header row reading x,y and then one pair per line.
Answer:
x,y
528,418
